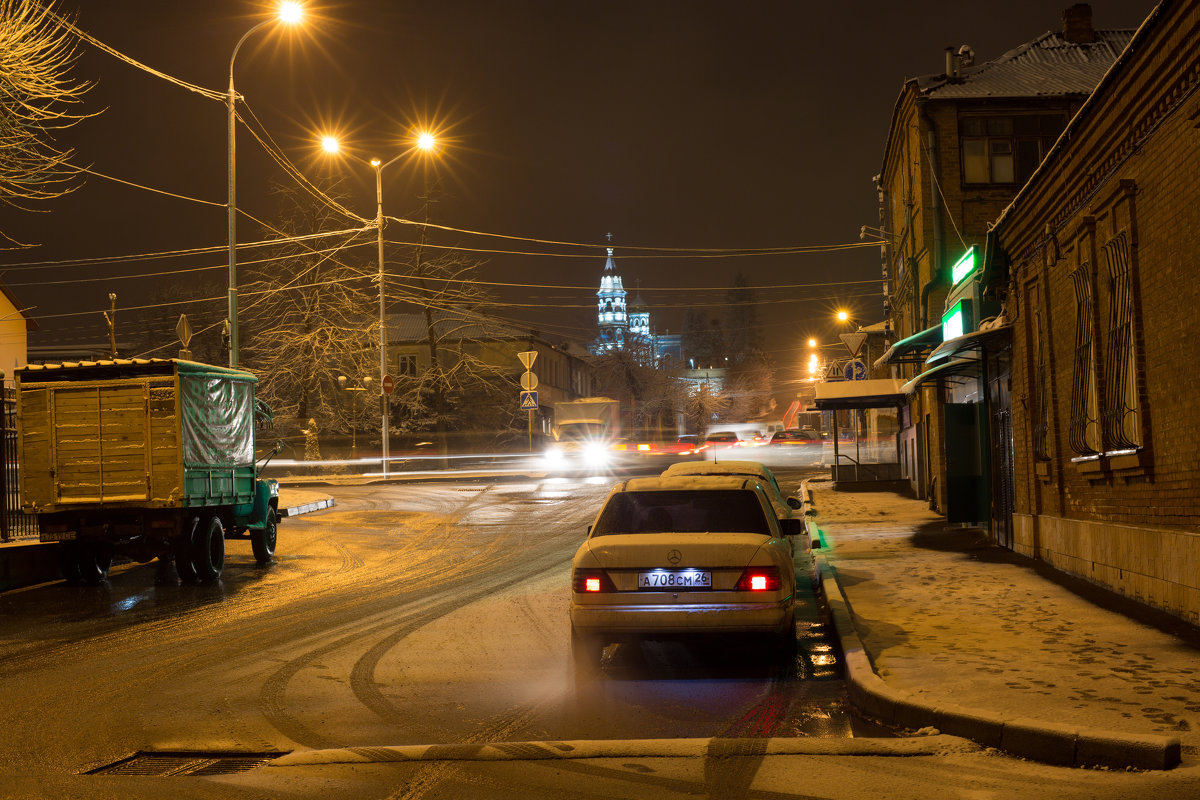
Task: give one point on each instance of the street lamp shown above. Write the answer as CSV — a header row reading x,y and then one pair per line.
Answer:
x,y
344,382
426,142
290,13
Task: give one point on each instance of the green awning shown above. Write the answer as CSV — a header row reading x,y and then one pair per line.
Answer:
x,y
914,349
959,366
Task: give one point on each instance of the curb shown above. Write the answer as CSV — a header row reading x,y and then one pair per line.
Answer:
x,y
618,748
307,508
1027,738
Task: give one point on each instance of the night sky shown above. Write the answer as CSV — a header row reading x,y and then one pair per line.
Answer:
x,y
670,123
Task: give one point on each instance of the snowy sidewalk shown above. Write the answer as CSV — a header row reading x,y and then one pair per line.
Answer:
x,y
949,620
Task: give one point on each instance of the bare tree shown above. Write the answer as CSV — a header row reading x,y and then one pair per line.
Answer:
x,y
308,315
36,99
650,390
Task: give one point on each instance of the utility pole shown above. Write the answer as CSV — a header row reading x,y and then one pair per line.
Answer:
x,y
111,318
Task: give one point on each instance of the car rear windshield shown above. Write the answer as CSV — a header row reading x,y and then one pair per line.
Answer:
x,y
682,511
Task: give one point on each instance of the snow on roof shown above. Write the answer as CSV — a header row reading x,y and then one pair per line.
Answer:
x,y
716,468
1048,66
686,483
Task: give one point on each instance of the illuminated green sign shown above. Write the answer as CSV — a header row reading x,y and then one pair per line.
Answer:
x,y
956,321
963,268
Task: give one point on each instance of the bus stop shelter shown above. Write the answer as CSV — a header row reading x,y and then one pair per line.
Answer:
x,y
866,428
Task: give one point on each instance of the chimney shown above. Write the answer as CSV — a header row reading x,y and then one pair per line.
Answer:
x,y
951,66
1077,24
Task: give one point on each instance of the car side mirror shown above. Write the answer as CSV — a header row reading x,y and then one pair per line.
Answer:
x,y
794,502
589,530
792,527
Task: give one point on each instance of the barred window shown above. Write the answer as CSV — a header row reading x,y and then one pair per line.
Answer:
x,y
1083,432
1120,416
1041,410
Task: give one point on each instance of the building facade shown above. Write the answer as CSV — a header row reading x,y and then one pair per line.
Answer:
x,y
960,145
1098,253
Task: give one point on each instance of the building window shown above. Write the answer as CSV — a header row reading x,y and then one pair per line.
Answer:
x,y
406,365
1121,417
1006,149
1084,430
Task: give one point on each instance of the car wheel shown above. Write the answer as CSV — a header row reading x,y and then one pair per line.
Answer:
x,y
262,541
586,651
208,550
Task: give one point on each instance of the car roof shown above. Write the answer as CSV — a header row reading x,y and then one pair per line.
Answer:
x,y
717,468
686,482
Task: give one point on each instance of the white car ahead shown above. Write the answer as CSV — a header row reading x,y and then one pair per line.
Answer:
x,y
784,505
683,555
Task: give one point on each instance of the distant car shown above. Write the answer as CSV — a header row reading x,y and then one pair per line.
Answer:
x,y
683,555
688,438
794,437
723,439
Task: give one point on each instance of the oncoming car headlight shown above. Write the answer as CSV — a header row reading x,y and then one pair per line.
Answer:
x,y
596,454
554,455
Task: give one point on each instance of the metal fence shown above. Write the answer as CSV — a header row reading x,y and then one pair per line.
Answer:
x,y
14,524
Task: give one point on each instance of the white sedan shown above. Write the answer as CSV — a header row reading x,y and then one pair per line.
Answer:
x,y
683,555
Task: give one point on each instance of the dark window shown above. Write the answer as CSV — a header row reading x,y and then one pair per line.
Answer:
x,y
683,511
407,365
1006,149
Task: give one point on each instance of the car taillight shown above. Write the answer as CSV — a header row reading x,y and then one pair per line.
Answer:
x,y
759,579
590,581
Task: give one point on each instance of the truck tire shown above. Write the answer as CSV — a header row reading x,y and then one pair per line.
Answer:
x,y
181,549
208,550
262,541
68,561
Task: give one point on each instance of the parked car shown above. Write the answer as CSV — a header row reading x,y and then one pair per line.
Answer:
x,y
672,556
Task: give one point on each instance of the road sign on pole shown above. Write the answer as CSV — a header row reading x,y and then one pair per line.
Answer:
x,y
529,401
855,371
853,341
529,381
389,385
527,358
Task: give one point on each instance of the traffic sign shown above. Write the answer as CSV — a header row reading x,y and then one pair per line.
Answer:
x,y
388,384
855,371
527,358
529,401
853,341
184,329
529,381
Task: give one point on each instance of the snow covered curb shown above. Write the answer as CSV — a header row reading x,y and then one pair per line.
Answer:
x,y
635,748
1027,738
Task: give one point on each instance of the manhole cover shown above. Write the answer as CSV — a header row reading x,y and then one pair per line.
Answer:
x,y
164,764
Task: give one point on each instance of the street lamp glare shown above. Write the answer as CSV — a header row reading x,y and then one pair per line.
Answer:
x,y
329,144
812,342
426,141
291,12
843,316
375,162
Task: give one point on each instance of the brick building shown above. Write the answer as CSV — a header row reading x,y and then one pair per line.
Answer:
x,y
960,145
1099,251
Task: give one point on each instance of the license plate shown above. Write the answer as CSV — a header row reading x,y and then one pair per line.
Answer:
x,y
57,536
675,579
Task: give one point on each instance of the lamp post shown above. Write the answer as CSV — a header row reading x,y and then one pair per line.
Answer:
x,y
344,382
289,12
426,142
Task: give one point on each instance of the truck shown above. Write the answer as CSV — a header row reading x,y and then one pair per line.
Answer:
x,y
144,458
585,430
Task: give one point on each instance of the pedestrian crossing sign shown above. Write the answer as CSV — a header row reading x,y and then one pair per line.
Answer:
x,y
529,401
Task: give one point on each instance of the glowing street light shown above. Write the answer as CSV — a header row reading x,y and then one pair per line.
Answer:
x,y
843,315
289,13
424,141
